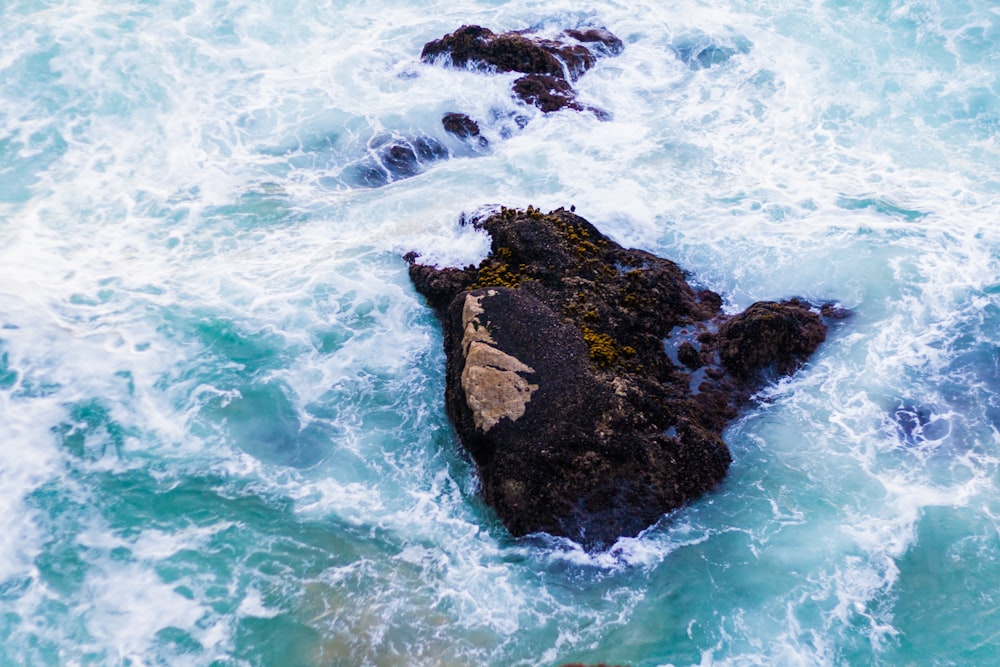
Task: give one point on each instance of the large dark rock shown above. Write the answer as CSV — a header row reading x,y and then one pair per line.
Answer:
x,y
590,382
480,48
549,65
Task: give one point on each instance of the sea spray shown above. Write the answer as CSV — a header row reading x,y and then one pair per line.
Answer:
x,y
178,241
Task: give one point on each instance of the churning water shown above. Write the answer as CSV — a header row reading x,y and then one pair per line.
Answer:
x,y
223,438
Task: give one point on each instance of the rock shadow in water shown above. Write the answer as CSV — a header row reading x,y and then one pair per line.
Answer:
x,y
263,422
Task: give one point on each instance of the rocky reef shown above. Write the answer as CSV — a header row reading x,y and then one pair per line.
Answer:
x,y
549,66
591,382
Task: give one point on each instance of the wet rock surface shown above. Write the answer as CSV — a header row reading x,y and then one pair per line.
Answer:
x,y
548,93
460,125
480,48
549,65
590,382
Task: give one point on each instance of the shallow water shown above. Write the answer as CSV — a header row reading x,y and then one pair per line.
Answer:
x,y
224,439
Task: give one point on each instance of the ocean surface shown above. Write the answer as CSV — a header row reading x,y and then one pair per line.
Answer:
x,y
222,428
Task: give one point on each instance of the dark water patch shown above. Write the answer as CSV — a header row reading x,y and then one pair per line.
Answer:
x,y
61,513
507,123
90,431
8,375
973,378
306,140
267,206
947,581
349,316
282,639
23,160
332,338
136,500
61,561
238,401
918,424
255,352
62,566
879,205
259,529
700,51
264,423
970,382
175,644
227,345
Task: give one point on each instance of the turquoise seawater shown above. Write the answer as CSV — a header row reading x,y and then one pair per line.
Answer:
x,y
223,438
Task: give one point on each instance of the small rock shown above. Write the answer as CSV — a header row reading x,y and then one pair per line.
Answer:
x,y
401,161
688,355
460,125
770,335
600,38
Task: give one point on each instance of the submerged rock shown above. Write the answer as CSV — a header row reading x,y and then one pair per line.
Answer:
x,y
699,51
394,158
549,65
558,381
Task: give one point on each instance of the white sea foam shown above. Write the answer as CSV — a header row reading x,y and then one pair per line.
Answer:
x,y
178,235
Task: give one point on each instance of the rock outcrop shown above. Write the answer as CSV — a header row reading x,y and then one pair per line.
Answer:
x,y
590,382
549,65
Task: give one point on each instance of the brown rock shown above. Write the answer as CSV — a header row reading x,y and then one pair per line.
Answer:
x,y
559,385
460,125
480,48
548,65
548,93
770,335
